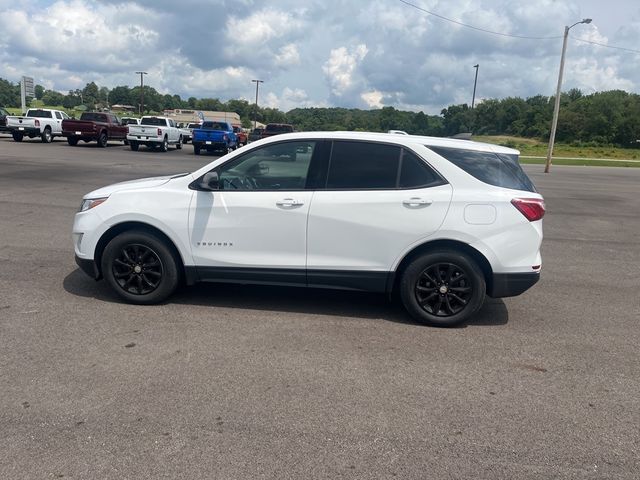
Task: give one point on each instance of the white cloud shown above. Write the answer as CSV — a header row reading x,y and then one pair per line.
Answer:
x,y
341,66
373,99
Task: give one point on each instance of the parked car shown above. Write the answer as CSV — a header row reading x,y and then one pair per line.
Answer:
x,y
94,126
255,134
130,121
187,131
276,129
154,132
214,136
38,122
3,119
241,136
397,132
441,222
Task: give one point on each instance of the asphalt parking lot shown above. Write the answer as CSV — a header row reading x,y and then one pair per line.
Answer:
x,y
238,382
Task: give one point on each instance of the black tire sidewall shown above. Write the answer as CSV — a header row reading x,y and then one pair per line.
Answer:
x,y
46,135
102,140
134,146
418,265
170,276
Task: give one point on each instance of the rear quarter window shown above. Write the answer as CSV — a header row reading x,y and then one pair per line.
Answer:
x,y
498,169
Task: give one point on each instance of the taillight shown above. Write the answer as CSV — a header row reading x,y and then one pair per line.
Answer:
x,y
37,122
159,132
532,208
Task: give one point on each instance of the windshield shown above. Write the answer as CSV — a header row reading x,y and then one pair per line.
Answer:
x,y
93,117
159,122
39,113
214,126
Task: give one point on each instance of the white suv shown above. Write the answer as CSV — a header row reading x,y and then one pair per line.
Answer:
x,y
442,222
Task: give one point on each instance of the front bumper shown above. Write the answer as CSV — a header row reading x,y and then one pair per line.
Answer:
x,y
511,284
89,267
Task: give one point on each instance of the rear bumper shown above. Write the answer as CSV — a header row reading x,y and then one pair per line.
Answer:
x,y
209,144
30,131
511,284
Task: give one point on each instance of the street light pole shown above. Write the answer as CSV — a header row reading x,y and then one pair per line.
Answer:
x,y
556,107
255,116
475,82
141,91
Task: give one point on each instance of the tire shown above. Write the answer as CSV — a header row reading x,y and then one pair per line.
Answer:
x,y
442,288
17,137
73,141
134,146
179,144
102,140
46,136
196,150
185,140
164,146
126,142
140,267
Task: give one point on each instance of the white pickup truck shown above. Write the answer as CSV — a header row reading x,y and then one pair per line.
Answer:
x,y
154,132
39,122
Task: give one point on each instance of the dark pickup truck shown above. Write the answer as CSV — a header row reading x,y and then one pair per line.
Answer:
x,y
97,126
276,129
214,136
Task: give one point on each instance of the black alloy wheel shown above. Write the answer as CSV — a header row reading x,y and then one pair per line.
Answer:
x,y
442,288
141,267
137,269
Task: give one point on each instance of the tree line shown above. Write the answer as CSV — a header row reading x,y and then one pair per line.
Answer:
x,y
611,117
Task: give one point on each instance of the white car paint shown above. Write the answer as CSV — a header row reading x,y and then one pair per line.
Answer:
x,y
39,124
149,132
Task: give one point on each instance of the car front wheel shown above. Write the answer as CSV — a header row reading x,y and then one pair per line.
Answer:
x,y
140,267
442,288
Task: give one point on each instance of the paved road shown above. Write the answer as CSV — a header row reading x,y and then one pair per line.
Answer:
x,y
247,382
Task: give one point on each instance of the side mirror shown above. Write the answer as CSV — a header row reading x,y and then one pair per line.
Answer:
x,y
210,181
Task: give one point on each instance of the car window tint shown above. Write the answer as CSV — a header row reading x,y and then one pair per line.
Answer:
x,y
362,165
153,121
58,115
280,166
39,113
499,170
415,173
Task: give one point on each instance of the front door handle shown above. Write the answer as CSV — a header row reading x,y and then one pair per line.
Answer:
x,y
289,202
416,202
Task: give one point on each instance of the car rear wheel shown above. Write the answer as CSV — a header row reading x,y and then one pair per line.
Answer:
x,y
140,267
46,135
179,144
442,288
73,141
164,147
102,140
17,136
196,150
134,146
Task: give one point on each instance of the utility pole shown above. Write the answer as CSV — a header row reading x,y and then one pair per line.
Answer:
x,y
475,82
556,107
255,116
141,91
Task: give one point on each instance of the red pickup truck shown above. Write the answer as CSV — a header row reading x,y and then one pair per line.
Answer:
x,y
241,136
98,126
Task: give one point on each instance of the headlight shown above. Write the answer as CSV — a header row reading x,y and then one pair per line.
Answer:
x,y
89,203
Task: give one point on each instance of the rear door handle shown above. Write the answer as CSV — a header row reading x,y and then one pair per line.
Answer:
x,y
289,202
417,202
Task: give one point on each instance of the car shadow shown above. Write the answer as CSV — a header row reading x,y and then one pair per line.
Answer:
x,y
287,299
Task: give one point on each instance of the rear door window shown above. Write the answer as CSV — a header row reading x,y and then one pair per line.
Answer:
x,y
363,165
500,170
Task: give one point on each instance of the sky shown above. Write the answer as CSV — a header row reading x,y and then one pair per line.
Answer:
x,y
323,53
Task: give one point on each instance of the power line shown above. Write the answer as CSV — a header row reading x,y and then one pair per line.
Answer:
x,y
605,45
509,34
476,28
